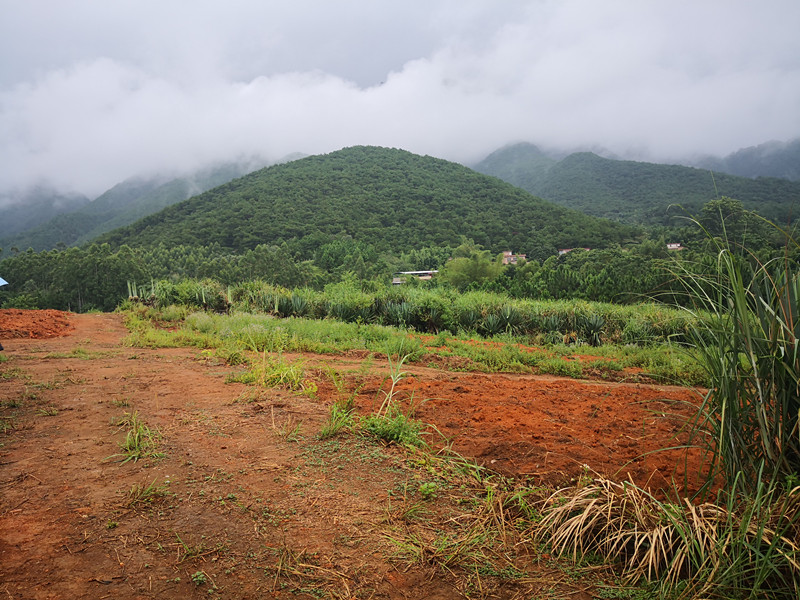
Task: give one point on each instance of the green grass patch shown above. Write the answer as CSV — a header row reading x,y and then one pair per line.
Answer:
x,y
277,371
236,336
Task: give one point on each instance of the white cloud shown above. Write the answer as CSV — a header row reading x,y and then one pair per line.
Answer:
x,y
97,92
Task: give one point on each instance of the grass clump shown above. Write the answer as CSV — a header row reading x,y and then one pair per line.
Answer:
x,y
389,423
749,344
276,371
143,494
740,546
394,427
140,440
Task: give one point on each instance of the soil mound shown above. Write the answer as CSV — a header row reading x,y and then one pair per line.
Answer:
x,y
34,324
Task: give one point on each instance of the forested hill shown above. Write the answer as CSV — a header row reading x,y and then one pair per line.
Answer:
x,y
390,199
636,192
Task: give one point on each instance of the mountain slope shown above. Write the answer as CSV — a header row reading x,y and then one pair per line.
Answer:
x,y
391,199
638,192
34,208
772,159
123,204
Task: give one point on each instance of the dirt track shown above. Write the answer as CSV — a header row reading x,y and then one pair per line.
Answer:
x,y
241,494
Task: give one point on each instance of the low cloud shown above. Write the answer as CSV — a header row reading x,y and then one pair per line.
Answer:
x,y
451,79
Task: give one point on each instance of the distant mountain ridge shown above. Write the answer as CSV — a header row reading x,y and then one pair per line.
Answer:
x,y
35,207
596,182
124,203
635,192
772,159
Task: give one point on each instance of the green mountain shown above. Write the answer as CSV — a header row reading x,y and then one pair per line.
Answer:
x,y
390,199
123,204
772,159
35,207
636,192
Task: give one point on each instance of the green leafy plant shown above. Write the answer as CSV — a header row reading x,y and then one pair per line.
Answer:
x,y
394,426
428,490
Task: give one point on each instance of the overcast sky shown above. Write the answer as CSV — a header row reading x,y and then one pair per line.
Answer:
x,y
95,91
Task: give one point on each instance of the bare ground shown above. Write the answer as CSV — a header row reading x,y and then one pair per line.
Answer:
x,y
248,503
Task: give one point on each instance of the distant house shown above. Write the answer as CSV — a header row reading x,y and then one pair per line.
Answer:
x,y
565,250
401,277
675,246
509,258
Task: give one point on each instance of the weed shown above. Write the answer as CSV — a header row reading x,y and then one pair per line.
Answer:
x,y
289,430
199,578
13,373
79,353
6,424
428,490
711,549
47,411
277,372
339,417
140,441
145,494
395,427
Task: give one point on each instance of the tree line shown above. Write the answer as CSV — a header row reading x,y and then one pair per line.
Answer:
x,y
97,277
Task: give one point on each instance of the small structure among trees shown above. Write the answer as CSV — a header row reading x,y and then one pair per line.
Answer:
x,y
402,277
509,258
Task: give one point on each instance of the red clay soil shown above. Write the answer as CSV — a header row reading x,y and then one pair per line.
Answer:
x,y
35,324
250,513
552,429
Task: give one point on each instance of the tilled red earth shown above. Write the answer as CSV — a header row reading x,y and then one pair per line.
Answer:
x,y
244,495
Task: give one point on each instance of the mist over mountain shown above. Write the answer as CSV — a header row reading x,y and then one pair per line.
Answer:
x,y
34,207
124,203
771,159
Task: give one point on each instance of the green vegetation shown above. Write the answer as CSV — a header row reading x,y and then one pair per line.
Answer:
x,y
389,423
744,544
362,214
123,204
387,199
146,494
748,344
635,192
270,371
246,338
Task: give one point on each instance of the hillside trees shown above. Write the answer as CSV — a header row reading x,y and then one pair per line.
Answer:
x,y
471,267
391,200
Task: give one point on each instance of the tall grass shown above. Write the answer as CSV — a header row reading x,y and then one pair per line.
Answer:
x,y
748,342
744,330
